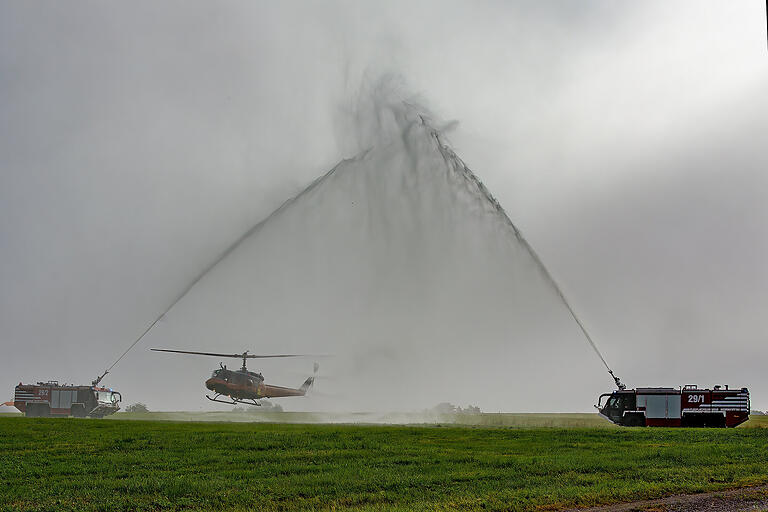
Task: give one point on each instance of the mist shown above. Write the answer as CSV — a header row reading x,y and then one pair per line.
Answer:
x,y
399,264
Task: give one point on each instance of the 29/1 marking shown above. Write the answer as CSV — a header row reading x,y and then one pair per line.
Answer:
x,y
695,399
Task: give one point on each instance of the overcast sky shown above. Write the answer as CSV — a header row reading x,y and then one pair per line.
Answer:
x,y
625,139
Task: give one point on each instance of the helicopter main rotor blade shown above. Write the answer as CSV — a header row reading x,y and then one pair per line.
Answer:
x,y
254,356
238,356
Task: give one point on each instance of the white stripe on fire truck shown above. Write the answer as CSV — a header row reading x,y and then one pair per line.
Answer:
x,y
722,409
715,407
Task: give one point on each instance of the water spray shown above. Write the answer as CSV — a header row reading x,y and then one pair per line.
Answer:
x,y
474,183
410,115
218,260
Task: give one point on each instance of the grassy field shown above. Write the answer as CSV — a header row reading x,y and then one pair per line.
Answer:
x,y
55,464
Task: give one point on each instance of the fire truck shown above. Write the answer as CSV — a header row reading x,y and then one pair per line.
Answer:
x,y
52,399
675,407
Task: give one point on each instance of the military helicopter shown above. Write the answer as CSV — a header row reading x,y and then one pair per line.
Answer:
x,y
244,386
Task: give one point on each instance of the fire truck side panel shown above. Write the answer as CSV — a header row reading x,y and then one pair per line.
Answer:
x,y
85,397
62,400
674,409
718,407
661,405
734,404
697,400
22,395
655,406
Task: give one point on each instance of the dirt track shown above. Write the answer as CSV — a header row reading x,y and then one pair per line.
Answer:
x,y
735,500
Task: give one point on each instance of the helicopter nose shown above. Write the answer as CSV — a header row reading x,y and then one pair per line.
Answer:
x,y
210,384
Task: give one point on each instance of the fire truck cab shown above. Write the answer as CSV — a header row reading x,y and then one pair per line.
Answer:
x,y
52,399
675,407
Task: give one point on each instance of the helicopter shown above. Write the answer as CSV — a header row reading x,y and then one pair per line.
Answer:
x,y
244,386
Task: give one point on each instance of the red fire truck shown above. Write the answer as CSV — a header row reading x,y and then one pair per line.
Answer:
x,y
51,399
670,407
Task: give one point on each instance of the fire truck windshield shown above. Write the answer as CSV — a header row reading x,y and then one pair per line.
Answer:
x,y
620,402
107,397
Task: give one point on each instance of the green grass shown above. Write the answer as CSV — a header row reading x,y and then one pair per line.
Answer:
x,y
69,464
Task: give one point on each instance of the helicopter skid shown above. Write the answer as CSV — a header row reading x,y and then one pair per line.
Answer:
x,y
247,401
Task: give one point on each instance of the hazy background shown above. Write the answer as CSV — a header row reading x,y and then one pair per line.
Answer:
x,y
625,139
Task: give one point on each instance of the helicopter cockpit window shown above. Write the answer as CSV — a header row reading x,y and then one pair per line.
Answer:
x,y
215,373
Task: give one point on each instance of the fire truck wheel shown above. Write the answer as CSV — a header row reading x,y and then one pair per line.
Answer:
x,y
78,410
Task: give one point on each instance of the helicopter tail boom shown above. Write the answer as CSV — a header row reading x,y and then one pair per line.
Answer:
x,y
279,391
